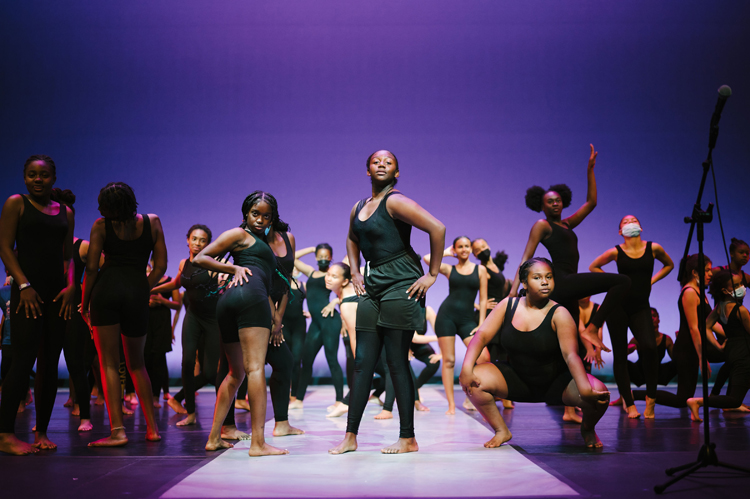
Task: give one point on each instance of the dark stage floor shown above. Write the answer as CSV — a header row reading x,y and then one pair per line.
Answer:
x,y
633,460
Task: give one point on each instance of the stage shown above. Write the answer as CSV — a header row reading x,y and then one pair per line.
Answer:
x,y
546,457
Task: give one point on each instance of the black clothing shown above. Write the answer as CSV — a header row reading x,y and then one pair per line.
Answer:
x,y
295,326
381,236
456,314
279,286
667,370
737,351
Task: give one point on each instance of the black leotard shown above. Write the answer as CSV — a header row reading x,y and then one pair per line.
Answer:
x,y
456,314
350,299
562,245
640,271
536,370
295,329
121,292
381,236
200,290
279,286
247,305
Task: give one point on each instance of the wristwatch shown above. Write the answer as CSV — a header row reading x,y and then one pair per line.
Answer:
x,y
23,286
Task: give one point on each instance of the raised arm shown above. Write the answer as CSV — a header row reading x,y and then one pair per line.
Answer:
x,y
406,210
539,231
600,261
445,268
304,251
587,207
159,252
228,241
665,260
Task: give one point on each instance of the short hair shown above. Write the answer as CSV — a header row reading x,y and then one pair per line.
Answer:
x,y
200,227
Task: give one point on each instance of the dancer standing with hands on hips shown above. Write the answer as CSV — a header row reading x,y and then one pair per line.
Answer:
x,y
392,293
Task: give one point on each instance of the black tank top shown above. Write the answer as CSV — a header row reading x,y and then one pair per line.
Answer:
x,y
351,299
535,355
495,285
130,254
684,340
279,286
462,290
733,327
381,236
294,309
562,245
80,267
40,239
318,296
640,271
259,258
200,290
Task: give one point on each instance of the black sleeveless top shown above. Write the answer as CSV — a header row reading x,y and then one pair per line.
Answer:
x,y
562,245
351,299
381,236
495,285
640,271
684,340
318,296
200,290
80,267
40,239
279,286
259,258
535,355
127,254
294,311
462,290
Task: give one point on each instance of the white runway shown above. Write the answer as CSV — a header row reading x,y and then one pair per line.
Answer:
x,y
451,461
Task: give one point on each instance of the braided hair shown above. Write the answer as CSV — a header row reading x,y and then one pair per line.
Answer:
x,y
40,157
523,271
535,196
117,200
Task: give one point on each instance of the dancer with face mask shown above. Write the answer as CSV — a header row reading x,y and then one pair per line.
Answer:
x,y
456,314
635,259
556,234
324,332
727,290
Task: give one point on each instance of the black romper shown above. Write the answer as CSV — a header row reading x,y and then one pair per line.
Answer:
x,y
456,314
121,291
496,290
159,336
536,370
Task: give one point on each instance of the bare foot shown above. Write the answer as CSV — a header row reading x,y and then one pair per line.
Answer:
x,y
157,405
95,392
21,408
591,334
375,400
177,407
131,399
10,444
616,402
633,412
189,420
418,405
742,408
339,411
242,404
218,445
69,402
152,435
232,433
76,410
649,412
127,410
349,444
508,404
29,398
384,415
451,410
283,428
297,404
332,406
266,450
592,441
116,439
694,404
468,405
571,416
402,446
42,442
99,400
501,436
166,396
85,425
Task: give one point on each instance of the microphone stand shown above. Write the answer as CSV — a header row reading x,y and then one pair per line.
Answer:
x,y
707,455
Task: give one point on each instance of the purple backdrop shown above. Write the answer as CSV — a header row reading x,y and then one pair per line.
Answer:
x,y
196,104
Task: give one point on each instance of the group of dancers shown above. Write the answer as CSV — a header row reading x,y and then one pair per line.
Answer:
x,y
529,345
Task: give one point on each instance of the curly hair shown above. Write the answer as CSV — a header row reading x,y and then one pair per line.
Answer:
x,y
40,157
535,196
65,197
117,200
691,265
735,244
523,271
255,198
719,281
200,227
500,258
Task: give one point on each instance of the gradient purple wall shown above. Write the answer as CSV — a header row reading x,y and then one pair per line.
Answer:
x,y
196,104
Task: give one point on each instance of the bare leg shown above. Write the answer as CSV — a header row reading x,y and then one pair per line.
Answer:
x,y
492,386
225,394
592,411
448,350
107,340
137,367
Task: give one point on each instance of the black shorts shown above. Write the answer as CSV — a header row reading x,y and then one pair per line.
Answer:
x,y
449,325
549,392
120,296
386,303
241,307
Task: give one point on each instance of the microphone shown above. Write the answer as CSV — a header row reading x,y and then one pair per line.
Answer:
x,y
724,93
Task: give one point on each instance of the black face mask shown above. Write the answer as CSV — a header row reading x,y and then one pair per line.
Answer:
x,y
484,256
323,265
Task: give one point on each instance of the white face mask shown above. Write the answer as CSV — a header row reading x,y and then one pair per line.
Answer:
x,y
739,292
631,230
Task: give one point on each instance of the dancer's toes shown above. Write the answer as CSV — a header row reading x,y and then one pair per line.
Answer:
x,y
116,439
85,425
499,439
10,444
218,445
283,428
242,404
571,416
297,404
232,433
420,406
157,405
508,404
127,410
468,405
649,412
99,400
189,420
338,411
266,450
152,435
42,442
633,412
349,444
176,406
375,400
332,406
402,446
616,402
69,402
694,406
451,410
384,415
591,439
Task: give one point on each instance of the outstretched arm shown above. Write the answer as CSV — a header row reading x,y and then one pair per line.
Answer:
x,y
539,231
665,260
600,261
172,285
576,218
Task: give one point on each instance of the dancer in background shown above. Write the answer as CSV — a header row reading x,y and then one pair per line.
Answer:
x,y
42,297
295,329
324,332
543,362
556,234
160,334
456,314
727,290
118,296
391,293
586,311
739,254
687,354
246,314
635,259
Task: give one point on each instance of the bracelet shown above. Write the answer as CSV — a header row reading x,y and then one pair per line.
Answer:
x,y
23,286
